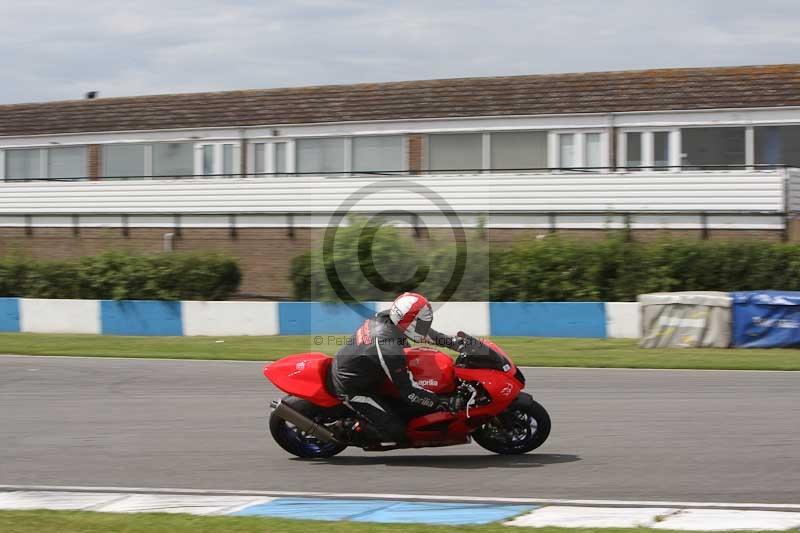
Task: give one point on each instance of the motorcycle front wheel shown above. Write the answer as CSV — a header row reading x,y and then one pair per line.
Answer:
x,y
297,442
521,428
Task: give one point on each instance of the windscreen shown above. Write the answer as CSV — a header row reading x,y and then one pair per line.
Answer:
x,y
477,355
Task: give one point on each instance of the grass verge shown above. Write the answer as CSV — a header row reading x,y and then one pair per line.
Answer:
x,y
526,351
87,522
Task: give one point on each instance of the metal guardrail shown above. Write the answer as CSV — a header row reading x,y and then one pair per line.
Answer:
x,y
291,225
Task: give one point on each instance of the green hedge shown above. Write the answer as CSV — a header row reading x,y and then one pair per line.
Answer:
x,y
556,268
122,276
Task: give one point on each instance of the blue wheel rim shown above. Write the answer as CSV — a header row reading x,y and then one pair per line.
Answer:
x,y
306,444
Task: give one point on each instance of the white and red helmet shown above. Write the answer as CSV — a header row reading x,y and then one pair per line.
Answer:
x,y
413,315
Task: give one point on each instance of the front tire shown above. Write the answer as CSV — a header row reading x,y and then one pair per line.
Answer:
x,y
521,428
297,442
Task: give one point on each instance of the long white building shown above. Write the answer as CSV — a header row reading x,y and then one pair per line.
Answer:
x,y
700,151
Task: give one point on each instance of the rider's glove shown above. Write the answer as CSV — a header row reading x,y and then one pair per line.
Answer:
x,y
464,344
457,343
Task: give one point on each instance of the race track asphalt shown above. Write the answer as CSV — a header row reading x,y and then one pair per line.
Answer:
x,y
702,436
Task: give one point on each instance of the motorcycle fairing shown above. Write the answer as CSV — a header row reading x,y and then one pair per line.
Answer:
x,y
303,375
501,387
430,369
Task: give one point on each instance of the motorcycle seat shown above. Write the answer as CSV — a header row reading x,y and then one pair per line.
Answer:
x,y
329,380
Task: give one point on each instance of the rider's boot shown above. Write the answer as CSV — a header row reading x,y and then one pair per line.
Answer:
x,y
356,432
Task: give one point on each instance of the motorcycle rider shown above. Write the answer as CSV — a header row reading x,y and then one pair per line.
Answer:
x,y
375,352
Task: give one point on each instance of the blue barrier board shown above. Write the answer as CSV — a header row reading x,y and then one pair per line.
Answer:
x,y
548,319
310,318
9,315
141,317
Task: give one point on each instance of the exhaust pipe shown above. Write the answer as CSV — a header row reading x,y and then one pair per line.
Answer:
x,y
303,422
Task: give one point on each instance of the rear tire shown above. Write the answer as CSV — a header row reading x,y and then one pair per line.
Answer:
x,y
519,429
297,442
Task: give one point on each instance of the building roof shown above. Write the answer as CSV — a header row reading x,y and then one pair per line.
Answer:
x,y
594,92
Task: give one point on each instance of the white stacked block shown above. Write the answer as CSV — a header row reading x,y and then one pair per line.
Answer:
x,y
229,318
39,315
452,317
623,320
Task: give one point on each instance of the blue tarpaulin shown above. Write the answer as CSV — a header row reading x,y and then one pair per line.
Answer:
x,y
766,319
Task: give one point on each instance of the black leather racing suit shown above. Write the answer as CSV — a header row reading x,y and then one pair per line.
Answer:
x,y
373,353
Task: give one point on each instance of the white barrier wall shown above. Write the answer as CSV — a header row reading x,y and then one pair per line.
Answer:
x,y
619,320
623,320
230,318
451,317
59,316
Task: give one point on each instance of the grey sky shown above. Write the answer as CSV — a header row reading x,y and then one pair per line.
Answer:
x,y
59,49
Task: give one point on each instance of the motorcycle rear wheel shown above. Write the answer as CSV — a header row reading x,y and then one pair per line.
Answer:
x,y
297,442
519,429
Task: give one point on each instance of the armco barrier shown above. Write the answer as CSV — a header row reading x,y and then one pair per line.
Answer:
x,y
308,318
9,315
541,319
548,319
141,317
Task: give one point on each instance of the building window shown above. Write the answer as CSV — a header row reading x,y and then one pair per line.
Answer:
x,y
123,160
227,159
633,149
271,158
67,162
378,153
36,163
281,158
713,146
646,149
777,145
593,156
518,150
173,159
260,158
661,149
566,150
320,155
208,159
23,164
216,159
461,151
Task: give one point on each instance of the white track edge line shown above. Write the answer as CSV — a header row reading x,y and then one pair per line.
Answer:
x,y
417,497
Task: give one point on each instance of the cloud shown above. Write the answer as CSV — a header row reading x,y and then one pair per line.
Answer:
x,y
59,50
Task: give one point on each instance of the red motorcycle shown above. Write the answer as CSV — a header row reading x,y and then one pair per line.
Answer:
x,y
495,412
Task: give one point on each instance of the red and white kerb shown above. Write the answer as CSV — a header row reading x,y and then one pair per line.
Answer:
x,y
412,314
